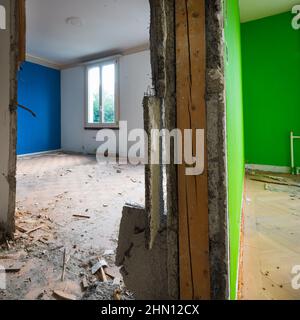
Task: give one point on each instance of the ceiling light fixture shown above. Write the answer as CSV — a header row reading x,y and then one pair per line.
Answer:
x,y
74,21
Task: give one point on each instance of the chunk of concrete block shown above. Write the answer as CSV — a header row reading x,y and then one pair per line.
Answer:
x,y
145,271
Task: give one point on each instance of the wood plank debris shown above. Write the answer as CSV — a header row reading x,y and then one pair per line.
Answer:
x,y
275,180
99,268
81,216
21,229
33,230
64,295
12,268
84,283
66,259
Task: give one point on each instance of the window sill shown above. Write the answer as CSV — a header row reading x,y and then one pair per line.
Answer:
x,y
102,128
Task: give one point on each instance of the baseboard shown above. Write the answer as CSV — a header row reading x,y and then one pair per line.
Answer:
x,y
267,168
38,153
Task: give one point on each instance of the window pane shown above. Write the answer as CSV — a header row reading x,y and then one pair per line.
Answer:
x,y
93,95
108,93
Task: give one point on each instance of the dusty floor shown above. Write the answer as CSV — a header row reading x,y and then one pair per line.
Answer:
x,y
271,239
51,189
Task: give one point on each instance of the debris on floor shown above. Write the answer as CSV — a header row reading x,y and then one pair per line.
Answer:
x,y
293,191
65,227
283,180
271,237
107,291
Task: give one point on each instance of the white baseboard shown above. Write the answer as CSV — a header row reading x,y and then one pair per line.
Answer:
x,y
267,168
38,153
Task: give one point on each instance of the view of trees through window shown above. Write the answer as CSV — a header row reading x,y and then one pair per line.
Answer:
x,y
109,109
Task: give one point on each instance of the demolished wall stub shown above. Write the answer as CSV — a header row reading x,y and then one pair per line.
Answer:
x,y
158,243
165,235
9,58
217,151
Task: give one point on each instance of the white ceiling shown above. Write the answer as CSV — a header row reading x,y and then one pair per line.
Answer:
x,y
108,27
257,9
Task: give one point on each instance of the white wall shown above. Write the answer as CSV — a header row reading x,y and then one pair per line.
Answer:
x,y
4,115
135,78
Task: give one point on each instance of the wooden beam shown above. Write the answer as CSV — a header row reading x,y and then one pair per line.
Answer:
x,y
191,114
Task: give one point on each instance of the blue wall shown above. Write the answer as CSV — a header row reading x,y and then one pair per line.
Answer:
x,y
39,90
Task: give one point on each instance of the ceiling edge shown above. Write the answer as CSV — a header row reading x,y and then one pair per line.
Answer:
x,y
43,62
57,66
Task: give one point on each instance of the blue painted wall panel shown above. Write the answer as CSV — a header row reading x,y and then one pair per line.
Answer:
x,y
39,90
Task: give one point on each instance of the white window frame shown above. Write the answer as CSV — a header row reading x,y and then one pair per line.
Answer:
x,y
2,17
100,64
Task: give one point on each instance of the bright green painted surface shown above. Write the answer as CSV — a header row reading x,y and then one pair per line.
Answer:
x,y
271,67
235,133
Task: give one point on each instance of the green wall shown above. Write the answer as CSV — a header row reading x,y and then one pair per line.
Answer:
x,y
235,133
271,66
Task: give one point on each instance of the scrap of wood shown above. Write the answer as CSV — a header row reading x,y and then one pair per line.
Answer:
x,y
33,230
6,257
101,263
117,295
65,262
42,241
21,229
110,273
14,268
99,268
81,216
292,190
64,295
266,180
103,275
84,283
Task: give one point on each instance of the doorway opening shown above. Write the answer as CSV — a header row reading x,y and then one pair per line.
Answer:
x,y
262,57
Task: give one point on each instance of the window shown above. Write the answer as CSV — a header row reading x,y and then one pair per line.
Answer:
x,y
2,18
102,95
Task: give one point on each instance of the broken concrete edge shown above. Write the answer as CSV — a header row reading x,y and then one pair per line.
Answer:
x,y
152,172
163,62
144,271
14,67
217,151
7,230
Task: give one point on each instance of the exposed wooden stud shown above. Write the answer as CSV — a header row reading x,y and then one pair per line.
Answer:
x,y
191,114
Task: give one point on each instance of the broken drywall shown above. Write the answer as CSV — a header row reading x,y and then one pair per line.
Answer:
x,y
144,271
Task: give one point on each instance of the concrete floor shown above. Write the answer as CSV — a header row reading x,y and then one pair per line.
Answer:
x,y
271,245
50,190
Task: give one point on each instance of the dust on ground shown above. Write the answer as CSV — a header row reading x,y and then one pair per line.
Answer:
x,y
68,209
